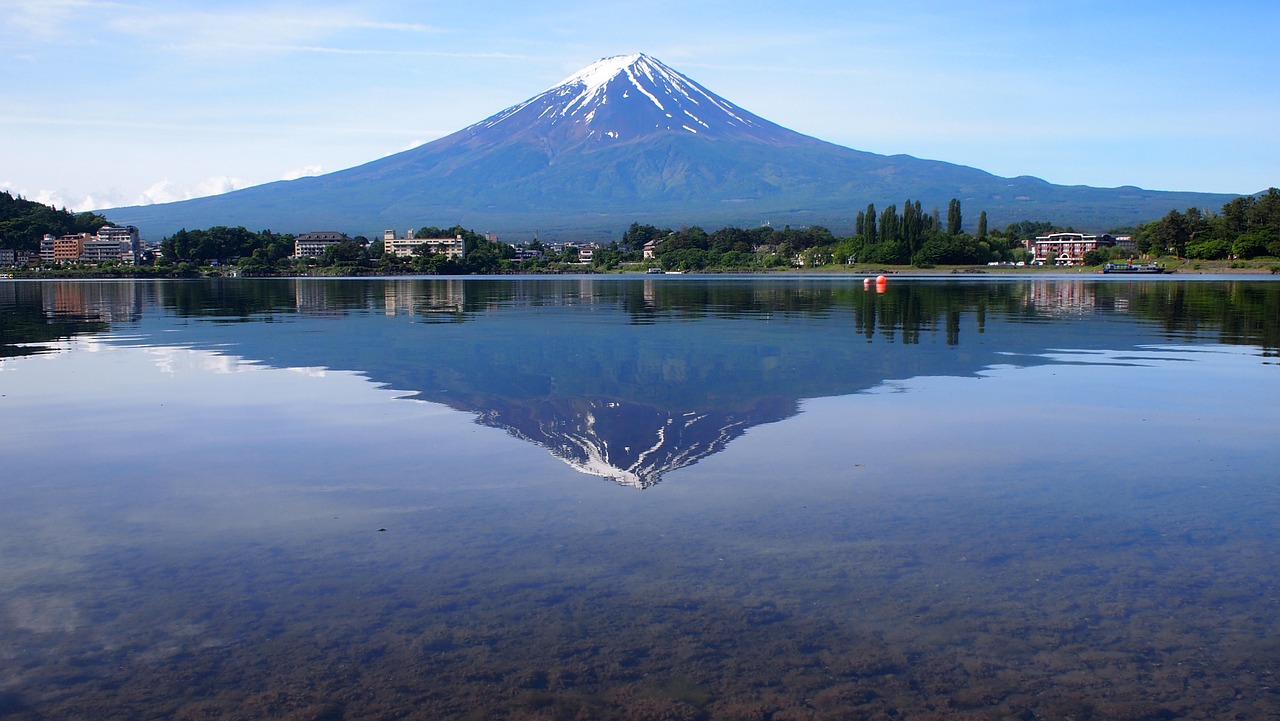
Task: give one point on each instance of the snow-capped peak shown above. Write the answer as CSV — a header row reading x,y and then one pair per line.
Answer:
x,y
627,97
591,84
594,76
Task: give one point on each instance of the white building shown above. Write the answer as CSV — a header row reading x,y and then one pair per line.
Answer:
x,y
46,249
522,253
96,250
454,248
127,244
312,245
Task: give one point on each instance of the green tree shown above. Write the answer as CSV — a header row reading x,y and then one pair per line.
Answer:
x,y
889,225
1208,249
982,225
637,235
914,226
1097,256
24,222
1170,234
345,252
1251,244
954,220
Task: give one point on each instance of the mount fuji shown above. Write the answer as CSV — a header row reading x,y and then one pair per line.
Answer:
x,y
628,139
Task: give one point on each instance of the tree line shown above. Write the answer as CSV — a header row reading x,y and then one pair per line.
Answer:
x,y
889,236
266,252
1247,227
24,222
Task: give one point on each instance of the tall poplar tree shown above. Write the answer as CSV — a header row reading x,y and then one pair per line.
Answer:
x,y
982,225
953,217
889,225
870,221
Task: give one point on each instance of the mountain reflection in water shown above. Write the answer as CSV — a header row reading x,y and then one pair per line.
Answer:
x,y
631,379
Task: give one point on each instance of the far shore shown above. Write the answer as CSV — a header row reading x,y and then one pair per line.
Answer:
x,y
1173,267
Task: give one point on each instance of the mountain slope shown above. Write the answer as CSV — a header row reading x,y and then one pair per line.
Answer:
x,y
629,139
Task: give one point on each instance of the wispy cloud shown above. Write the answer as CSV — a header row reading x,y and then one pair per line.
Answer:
x,y
45,20
264,31
223,45
81,121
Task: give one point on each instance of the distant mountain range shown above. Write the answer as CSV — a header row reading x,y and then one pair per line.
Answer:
x,y
626,140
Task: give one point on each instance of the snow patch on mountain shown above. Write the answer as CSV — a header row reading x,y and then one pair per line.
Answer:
x,y
601,98
598,74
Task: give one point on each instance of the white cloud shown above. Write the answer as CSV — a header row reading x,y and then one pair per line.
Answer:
x,y
96,201
305,171
166,191
217,185
56,198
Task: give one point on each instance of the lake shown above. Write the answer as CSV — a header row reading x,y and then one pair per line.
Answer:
x,y
670,497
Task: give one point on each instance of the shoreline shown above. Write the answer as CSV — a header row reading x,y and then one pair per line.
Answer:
x,y
1173,268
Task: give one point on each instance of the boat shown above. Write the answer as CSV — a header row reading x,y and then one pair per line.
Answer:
x,y
654,271
1141,268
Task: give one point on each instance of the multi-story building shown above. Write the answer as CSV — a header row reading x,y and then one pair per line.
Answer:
x,y
1066,248
523,253
312,245
46,249
127,240
454,248
110,243
96,250
69,248
10,258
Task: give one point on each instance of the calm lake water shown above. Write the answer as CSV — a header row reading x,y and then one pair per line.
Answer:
x,y
659,498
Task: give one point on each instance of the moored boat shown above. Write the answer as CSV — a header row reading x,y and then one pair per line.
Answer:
x,y
1142,268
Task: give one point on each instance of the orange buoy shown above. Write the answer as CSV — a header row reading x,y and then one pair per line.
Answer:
x,y
881,280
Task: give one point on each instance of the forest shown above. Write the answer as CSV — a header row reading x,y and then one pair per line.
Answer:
x,y
1247,227
24,222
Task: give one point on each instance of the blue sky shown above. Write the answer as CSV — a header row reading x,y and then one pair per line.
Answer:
x,y
106,103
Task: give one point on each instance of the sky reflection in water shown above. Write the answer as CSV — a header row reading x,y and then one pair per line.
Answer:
x,y
982,498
